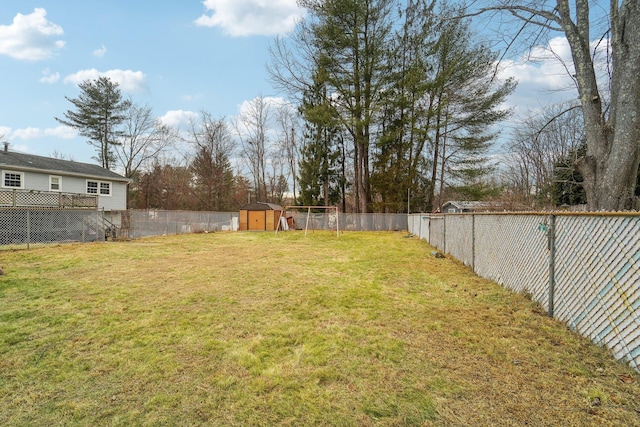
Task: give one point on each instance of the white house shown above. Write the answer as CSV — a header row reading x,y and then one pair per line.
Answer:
x,y
26,172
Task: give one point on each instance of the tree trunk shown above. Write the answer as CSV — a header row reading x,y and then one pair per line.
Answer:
x,y
610,165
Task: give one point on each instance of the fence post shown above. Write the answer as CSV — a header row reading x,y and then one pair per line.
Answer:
x,y
473,242
444,234
552,262
131,225
28,228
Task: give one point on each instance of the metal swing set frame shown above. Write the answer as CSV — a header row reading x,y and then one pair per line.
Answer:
x,y
309,208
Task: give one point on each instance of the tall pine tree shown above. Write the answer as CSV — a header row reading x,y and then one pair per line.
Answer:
x,y
319,178
467,100
99,110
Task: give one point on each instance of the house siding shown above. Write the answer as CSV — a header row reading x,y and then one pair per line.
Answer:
x,y
73,184
117,200
36,171
36,181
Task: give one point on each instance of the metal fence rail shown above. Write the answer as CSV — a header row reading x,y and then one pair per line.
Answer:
x,y
584,268
31,227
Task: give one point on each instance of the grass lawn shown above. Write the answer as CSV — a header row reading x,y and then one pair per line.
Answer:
x,y
253,329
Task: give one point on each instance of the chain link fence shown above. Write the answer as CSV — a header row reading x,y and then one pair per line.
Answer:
x,y
24,227
133,224
21,227
141,223
585,268
349,221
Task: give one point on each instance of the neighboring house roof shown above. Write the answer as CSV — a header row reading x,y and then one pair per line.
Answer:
x,y
461,205
32,163
482,206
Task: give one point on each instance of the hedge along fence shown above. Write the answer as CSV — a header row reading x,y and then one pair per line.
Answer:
x,y
584,268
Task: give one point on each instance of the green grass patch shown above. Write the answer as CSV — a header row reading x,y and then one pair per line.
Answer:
x,y
259,329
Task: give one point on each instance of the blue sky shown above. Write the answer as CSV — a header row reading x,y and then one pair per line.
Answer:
x,y
179,57
176,56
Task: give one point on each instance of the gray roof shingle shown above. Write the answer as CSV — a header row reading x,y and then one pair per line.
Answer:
x,y
30,162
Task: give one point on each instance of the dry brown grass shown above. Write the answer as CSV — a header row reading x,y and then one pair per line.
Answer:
x,y
257,329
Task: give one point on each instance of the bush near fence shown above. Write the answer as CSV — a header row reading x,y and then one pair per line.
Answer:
x,y
584,268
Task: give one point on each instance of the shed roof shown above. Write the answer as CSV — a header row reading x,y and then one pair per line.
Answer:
x,y
261,206
33,163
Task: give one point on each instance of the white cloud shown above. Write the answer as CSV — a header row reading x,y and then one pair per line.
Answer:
x,y
61,132
247,111
550,66
30,37
190,98
29,133
100,52
543,76
271,103
251,17
129,81
49,77
4,132
178,118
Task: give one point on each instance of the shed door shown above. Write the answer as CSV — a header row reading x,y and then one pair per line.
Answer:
x,y
257,220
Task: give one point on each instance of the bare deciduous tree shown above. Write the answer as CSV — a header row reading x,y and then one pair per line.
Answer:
x,y
251,127
211,166
288,123
610,164
144,137
539,144
166,185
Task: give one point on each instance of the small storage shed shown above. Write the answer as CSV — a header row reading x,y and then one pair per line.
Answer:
x,y
259,216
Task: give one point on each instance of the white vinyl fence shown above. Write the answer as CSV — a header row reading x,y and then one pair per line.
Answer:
x,y
584,268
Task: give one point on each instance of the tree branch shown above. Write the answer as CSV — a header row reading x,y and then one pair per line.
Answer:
x,y
515,11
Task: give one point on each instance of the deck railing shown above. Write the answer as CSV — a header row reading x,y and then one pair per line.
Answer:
x,y
47,199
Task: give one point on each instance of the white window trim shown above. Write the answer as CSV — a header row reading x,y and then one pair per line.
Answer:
x,y
4,172
98,188
59,182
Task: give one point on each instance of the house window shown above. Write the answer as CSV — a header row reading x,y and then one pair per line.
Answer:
x,y
99,187
92,187
12,179
55,183
105,188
